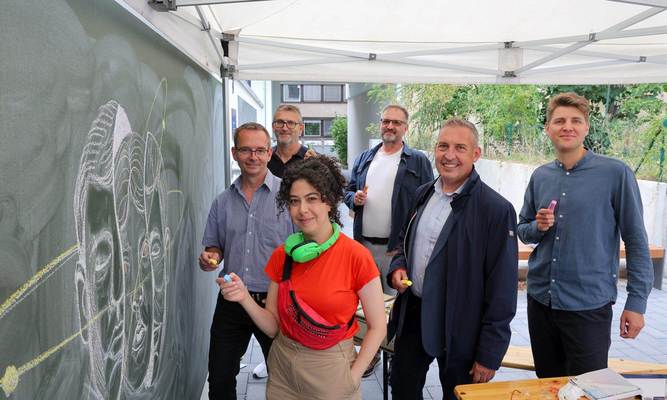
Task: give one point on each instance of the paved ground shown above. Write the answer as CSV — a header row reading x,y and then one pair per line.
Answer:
x,y
651,346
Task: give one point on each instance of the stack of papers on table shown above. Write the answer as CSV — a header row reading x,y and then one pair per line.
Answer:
x,y
605,384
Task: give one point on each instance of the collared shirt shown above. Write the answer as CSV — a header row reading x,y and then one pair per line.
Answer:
x,y
430,224
575,264
278,167
247,233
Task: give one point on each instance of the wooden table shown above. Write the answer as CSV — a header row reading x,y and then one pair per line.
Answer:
x,y
533,389
657,258
522,358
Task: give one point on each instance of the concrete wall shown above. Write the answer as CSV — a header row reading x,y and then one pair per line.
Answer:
x,y
511,179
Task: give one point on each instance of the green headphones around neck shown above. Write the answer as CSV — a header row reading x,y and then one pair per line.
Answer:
x,y
302,250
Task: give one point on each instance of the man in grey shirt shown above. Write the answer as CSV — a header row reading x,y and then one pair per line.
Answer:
x,y
244,228
576,209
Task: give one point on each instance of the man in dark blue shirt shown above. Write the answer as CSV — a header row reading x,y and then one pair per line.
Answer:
x,y
576,209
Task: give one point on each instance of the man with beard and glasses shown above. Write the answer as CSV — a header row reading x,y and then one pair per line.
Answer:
x,y
287,128
382,184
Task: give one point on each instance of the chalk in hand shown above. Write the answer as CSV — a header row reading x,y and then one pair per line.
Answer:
x,y
406,282
213,261
227,278
366,189
552,205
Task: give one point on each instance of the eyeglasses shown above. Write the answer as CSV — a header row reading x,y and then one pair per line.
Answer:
x,y
246,151
395,122
279,123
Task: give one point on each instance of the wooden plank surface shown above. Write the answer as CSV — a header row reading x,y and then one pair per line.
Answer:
x,y
522,358
542,389
656,252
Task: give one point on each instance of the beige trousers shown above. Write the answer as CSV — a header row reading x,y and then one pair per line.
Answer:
x,y
298,372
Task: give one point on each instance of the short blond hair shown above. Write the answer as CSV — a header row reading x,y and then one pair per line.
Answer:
x,y
569,99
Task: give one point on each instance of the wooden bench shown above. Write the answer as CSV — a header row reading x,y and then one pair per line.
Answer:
x,y
657,257
521,357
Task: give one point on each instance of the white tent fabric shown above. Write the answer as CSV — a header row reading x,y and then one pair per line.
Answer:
x,y
474,41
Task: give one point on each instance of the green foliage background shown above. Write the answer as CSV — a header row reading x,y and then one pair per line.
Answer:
x,y
339,133
626,122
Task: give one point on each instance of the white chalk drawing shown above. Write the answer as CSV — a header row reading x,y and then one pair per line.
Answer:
x,y
123,248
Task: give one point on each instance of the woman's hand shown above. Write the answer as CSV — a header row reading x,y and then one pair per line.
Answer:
x,y
233,291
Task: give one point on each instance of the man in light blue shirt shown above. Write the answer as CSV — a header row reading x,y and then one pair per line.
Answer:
x,y
243,227
576,209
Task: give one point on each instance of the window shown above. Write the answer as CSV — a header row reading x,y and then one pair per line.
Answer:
x,y
327,127
312,127
292,93
333,93
312,93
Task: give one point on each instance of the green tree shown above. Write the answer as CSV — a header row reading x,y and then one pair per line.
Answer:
x,y
339,133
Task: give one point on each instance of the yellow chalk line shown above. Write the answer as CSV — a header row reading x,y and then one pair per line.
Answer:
x,y
41,274
11,378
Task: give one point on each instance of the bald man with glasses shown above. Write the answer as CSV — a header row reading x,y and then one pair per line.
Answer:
x,y
287,128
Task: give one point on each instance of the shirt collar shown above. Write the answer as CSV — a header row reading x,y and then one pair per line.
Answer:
x,y
589,155
438,188
271,182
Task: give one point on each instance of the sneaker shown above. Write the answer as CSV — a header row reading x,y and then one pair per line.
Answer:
x,y
371,367
260,371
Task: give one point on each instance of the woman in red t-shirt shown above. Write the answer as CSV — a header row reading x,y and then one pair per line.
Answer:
x,y
318,278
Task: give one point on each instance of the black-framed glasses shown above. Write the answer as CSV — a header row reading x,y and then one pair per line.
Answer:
x,y
246,151
279,123
394,122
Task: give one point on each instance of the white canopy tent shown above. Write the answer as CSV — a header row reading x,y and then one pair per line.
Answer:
x,y
475,41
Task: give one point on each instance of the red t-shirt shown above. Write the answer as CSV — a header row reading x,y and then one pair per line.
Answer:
x,y
329,283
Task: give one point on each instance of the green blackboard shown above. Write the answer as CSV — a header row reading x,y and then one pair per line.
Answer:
x,y
110,154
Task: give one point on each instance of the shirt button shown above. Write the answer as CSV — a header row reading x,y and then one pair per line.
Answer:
x,y
563,193
553,280
614,276
557,237
246,269
247,250
567,173
554,260
560,216
250,233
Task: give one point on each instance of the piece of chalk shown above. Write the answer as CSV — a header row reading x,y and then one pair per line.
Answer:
x,y
406,282
213,261
227,278
552,205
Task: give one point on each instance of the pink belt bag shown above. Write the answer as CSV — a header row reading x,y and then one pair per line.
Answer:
x,y
299,322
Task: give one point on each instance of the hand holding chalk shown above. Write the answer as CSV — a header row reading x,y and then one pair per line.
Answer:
x,y
213,261
227,278
552,205
406,282
545,217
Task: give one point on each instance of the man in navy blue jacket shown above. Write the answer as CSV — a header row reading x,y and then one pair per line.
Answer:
x,y
382,185
456,273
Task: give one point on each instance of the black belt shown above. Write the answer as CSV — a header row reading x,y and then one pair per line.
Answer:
x,y
375,240
259,297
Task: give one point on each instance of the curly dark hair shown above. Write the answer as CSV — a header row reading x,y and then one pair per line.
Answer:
x,y
322,173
